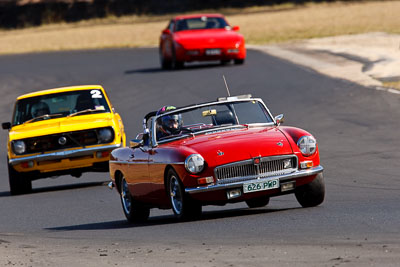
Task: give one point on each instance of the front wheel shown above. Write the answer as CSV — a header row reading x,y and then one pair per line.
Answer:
x,y
312,194
165,63
19,184
176,64
133,211
183,207
257,202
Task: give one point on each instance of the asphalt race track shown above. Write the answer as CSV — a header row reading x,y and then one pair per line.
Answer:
x,y
357,130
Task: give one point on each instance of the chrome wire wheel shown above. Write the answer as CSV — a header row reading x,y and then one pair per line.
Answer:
x,y
125,196
176,195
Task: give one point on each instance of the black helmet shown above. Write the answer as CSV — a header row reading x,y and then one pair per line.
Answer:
x,y
39,109
170,124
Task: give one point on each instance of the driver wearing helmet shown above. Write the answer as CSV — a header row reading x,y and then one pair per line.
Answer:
x,y
39,109
169,124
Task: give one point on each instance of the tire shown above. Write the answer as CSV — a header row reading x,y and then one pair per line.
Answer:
x,y
257,202
176,64
239,61
134,212
19,184
183,207
312,194
165,63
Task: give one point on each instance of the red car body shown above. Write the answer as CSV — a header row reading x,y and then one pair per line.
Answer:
x,y
250,161
201,37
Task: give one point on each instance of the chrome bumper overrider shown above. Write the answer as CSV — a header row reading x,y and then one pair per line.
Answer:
x,y
64,154
294,175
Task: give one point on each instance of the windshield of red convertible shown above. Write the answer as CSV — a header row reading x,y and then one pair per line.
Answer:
x,y
58,105
211,117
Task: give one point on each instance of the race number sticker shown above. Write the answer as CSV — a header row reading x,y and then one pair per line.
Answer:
x,y
96,94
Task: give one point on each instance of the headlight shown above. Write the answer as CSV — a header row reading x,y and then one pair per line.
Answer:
x,y
19,147
106,135
307,145
194,163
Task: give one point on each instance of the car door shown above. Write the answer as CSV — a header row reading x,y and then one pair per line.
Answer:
x,y
138,172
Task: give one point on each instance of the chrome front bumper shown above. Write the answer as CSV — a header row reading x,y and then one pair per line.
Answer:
x,y
282,178
64,154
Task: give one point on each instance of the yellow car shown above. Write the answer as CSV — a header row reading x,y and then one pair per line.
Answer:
x,y
68,130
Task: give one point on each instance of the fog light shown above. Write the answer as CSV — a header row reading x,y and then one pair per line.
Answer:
x,y
306,164
27,164
234,193
234,51
102,154
205,180
288,186
287,163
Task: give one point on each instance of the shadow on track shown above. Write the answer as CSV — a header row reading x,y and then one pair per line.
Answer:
x,y
57,188
194,66
168,219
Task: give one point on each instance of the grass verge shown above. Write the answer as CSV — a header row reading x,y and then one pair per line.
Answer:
x,y
259,25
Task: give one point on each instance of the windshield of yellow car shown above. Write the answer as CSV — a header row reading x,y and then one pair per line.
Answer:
x,y
49,106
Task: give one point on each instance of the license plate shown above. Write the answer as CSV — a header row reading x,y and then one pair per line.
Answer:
x,y
213,52
260,186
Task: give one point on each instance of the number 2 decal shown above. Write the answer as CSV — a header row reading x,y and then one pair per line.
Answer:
x,y
96,94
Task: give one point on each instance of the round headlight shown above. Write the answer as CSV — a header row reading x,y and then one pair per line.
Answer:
x,y
105,135
19,147
194,163
307,145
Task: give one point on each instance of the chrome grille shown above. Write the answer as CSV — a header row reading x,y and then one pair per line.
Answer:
x,y
254,168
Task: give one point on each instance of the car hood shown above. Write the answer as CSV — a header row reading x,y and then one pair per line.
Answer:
x,y
216,38
240,144
60,125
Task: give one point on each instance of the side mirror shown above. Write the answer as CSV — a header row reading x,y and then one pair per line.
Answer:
x,y
6,125
235,28
279,119
166,31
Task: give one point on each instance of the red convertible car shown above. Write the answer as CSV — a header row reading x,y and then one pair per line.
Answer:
x,y
215,153
200,37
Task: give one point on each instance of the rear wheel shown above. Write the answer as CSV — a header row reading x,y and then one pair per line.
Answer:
x,y
257,202
19,183
239,61
134,212
183,207
312,194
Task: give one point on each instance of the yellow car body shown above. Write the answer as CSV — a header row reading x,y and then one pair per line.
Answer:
x,y
68,130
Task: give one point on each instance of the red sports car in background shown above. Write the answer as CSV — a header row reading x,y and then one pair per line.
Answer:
x,y
214,153
201,37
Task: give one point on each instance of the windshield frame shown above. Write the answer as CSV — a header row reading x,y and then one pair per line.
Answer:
x,y
153,121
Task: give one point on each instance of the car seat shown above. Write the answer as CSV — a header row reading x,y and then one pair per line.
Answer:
x,y
83,102
181,25
210,24
224,117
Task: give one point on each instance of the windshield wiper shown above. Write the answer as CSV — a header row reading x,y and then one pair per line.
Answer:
x,y
45,117
89,110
